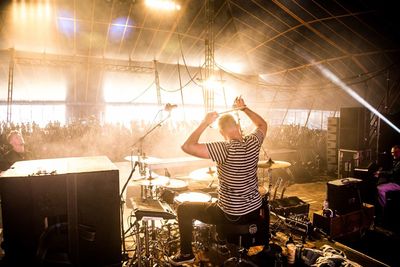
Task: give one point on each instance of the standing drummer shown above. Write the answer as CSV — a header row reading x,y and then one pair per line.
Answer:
x,y
239,200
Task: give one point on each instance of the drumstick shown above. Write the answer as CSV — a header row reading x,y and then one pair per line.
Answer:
x,y
227,111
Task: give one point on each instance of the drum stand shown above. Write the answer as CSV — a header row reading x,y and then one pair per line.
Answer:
x,y
148,258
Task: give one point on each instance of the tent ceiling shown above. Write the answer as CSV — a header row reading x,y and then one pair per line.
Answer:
x,y
280,40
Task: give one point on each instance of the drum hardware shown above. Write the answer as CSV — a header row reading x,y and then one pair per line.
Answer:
x,y
285,185
146,189
203,235
148,235
168,191
276,186
270,165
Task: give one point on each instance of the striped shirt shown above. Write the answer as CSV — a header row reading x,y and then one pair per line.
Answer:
x,y
237,172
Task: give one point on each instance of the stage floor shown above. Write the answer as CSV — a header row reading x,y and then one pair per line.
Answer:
x,y
313,193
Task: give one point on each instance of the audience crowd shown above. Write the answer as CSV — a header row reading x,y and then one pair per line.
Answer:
x,y
89,138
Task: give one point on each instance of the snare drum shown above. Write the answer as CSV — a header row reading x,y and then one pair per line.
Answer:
x,y
192,197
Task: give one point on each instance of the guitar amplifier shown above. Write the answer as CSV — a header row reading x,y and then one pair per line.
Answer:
x,y
344,195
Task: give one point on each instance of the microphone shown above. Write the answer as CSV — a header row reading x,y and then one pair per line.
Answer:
x,y
169,107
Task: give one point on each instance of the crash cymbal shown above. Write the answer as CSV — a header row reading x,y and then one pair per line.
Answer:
x,y
273,164
156,181
204,174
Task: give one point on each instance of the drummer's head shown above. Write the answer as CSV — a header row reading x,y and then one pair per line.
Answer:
x,y
228,127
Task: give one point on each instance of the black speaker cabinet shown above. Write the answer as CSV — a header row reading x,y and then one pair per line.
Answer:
x,y
354,127
61,211
344,195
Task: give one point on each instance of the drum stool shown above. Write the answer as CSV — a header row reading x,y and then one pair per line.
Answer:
x,y
244,236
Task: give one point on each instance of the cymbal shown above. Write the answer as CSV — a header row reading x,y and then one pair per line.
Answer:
x,y
146,160
157,181
273,164
204,174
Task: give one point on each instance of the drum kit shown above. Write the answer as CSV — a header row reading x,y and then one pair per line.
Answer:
x,y
168,193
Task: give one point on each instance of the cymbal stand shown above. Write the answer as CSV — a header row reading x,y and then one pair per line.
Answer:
x,y
211,172
141,155
269,174
146,191
142,170
146,243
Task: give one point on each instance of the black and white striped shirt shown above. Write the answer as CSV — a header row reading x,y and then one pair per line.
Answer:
x,y
237,172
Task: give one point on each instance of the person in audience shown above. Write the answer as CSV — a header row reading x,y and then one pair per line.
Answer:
x,y
389,180
17,151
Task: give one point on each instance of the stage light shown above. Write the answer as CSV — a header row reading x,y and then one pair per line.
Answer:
x,y
39,10
232,66
14,10
31,8
66,24
163,4
213,83
334,79
22,10
119,26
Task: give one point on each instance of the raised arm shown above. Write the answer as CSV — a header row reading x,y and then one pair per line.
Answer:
x,y
258,121
192,145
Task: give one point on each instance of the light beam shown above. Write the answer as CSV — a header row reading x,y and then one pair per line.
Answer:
x,y
334,79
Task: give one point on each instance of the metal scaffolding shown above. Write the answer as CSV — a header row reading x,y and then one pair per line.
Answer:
x,y
208,89
10,85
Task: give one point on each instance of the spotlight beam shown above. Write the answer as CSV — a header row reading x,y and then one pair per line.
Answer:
x,y
334,79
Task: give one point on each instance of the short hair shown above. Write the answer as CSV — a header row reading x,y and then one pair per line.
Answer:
x,y
396,147
13,133
226,121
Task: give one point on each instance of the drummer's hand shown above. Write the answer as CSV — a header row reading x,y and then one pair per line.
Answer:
x,y
239,103
210,117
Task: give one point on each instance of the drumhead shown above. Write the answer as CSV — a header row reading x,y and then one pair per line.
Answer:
x,y
193,197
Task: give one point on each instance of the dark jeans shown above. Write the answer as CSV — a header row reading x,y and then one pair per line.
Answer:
x,y
208,213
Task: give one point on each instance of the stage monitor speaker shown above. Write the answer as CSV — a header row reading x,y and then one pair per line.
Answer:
x,y
344,195
354,127
61,210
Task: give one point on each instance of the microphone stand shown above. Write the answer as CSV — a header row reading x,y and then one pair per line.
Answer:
x,y
142,171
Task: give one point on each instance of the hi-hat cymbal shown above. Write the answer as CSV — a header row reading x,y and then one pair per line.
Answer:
x,y
204,174
273,164
156,181
145,160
